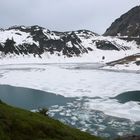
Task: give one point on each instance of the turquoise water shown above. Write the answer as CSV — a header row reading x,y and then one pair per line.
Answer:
x,y
128,96
70,111
29,98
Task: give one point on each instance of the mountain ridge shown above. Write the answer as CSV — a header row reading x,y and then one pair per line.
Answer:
x,y
36,40
127,24
73,46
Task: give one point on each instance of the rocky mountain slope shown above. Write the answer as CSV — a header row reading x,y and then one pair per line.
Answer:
x,y
128,63
35,43
83,45
37,40
127,26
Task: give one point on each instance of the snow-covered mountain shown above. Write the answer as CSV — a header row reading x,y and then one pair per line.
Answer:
x,y
127,27
37,44
51,46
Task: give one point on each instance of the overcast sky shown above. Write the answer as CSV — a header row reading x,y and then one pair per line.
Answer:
x,y
64,15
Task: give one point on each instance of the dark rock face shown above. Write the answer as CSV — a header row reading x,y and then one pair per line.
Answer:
x,y
64,43
106,45
36,40
127,25
126,60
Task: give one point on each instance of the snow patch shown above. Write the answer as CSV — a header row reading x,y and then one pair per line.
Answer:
x,y
18,36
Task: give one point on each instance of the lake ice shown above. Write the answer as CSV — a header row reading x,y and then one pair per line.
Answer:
x,y
75,80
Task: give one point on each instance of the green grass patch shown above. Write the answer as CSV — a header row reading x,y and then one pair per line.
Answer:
x,y
19,124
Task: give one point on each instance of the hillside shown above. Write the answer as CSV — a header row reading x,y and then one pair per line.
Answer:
x,y
129,63
18,124
127,26
21,42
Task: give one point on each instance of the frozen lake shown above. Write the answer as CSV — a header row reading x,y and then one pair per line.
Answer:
x,y
92,108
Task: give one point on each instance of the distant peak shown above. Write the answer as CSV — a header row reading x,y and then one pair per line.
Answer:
x,y
127,25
